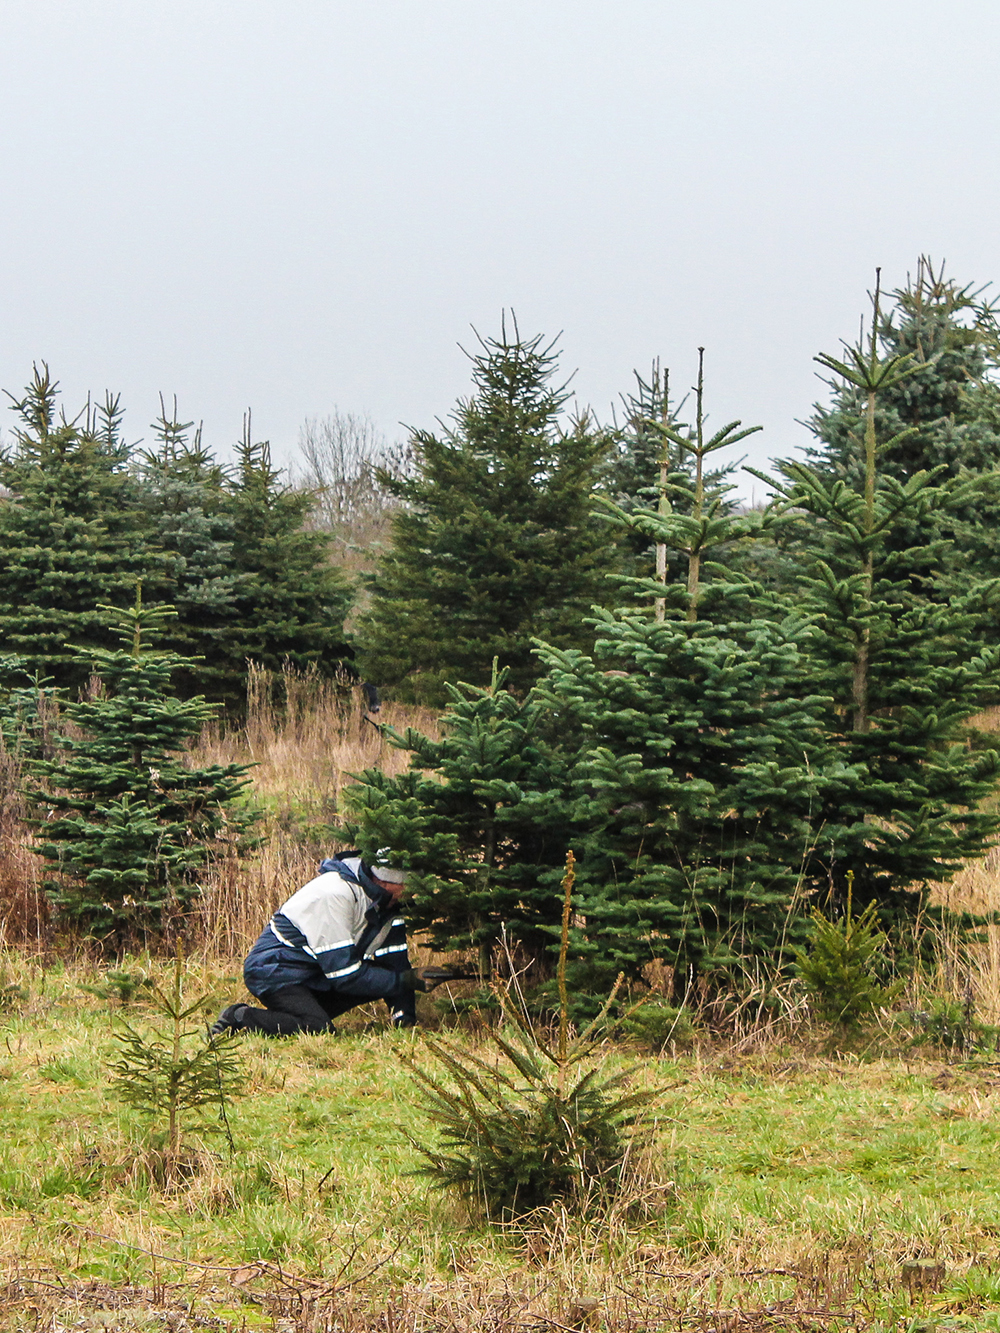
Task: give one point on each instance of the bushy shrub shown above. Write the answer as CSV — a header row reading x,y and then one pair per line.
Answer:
x,y
953,1025
840,964
120,985
659,1025
535,1127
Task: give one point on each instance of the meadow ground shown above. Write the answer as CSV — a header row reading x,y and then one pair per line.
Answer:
x,y
785,1188
787,1185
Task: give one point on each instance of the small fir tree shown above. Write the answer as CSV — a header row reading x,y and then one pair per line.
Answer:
x,y
546,1125
840,966
496,541
29,709
178,1075
128,827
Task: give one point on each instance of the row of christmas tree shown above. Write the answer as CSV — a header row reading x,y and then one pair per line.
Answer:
x,y
754,705
84,517
781,699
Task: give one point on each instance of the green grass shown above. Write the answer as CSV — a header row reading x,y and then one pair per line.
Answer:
x,y
784,1180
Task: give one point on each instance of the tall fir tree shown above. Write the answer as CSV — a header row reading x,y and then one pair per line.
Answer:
x,y
946,410
127,826
71,534
944,414
645,467
904,673
496,542
697,764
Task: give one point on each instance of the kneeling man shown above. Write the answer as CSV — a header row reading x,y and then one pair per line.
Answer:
x,y
336,943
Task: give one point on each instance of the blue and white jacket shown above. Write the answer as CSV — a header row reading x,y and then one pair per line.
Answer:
x,y
339,932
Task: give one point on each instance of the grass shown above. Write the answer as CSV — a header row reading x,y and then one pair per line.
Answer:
x,y
785,1181
786,1186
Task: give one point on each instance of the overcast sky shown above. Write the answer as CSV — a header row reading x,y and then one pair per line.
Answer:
x,y
304,205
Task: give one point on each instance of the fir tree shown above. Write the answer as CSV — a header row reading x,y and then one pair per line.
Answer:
x,y
496,542
173,1074
183,491
841,966
290,601
646,467
903,674
944,414
946,410
71,535
696,766
128,828
485,854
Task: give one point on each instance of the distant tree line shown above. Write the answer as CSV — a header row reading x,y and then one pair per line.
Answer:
x,y
85,517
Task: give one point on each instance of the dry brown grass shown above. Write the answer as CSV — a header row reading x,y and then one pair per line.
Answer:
x,y
970,969
304,736
262,1295
24,912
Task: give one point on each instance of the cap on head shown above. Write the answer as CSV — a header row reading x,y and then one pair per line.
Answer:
x,y
383,869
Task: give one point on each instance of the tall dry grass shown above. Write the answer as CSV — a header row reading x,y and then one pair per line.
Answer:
x,y
968,970
304,736
24,911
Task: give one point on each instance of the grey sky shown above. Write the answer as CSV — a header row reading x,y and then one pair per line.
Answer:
x,y
305,204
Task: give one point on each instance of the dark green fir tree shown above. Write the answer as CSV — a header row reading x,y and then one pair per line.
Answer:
x,y
183,490
698,761
903,672
485,853
126,827
496,541
72,537
290,601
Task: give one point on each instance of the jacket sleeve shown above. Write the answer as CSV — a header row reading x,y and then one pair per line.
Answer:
x,y
368,981
380,978
393,953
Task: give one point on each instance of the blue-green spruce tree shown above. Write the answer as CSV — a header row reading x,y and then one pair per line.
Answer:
x,y
125,825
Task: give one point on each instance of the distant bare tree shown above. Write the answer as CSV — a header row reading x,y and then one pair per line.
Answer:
x,y
341,455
